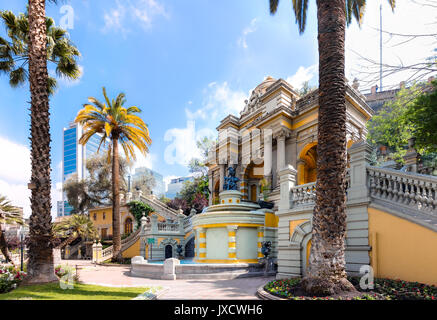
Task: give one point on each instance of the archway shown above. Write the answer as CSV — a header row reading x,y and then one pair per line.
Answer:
x,y
168,251
253,174
307,164
216,192
189,248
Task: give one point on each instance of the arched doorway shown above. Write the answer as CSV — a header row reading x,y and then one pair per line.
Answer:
x,y
168,251
189,248
128,226
253,192
307,164
216,192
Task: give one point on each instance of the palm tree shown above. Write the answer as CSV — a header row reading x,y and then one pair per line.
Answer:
x,y
77,225
120,125
14,53
326,272
40,266
8,215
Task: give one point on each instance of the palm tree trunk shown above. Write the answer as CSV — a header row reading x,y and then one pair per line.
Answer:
x,y
40,267
4,247
326,273
116,237
69,240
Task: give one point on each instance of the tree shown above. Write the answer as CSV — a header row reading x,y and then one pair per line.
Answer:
x,y
120,125
96,188
144,182
40,266
326,273
423,115
9,214
305,89
77,225
14,54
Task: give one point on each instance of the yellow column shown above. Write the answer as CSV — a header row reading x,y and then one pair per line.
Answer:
x,y
260,241
232,244
202,243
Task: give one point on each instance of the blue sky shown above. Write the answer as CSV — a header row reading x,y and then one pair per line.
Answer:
x,y
186,64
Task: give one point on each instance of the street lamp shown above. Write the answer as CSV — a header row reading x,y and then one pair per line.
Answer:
x,y
22,246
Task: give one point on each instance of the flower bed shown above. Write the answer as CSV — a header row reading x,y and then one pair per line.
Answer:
x,y
384,289
10,278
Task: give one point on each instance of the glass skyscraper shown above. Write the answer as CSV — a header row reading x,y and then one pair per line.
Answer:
x,y
75,156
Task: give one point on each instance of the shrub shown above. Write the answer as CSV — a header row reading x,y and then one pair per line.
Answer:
x,y
10,278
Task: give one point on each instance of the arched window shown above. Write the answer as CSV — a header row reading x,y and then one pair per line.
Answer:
x,y
128,226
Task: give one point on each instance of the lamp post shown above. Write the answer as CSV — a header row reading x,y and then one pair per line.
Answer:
x,y
22,246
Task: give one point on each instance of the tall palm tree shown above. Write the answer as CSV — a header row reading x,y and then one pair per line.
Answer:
x,y
9,214
77,225
14,52
40,266
120,125
326,273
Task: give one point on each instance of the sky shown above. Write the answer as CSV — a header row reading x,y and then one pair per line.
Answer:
x,y
186,65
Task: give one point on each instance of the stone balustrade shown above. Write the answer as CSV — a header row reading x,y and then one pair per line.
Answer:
x,y
414,191
303,194
168,226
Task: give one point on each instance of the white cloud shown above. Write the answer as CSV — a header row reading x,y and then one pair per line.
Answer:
x,y
142,12
246,31
407,18
15,173
15,162
144,160
302,75
220,100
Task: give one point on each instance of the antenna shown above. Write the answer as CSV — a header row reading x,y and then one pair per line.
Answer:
x,y
380,47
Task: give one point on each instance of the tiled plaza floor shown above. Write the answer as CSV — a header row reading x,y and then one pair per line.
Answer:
x,y
243,288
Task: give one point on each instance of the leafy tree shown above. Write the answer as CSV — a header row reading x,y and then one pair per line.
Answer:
x,y
145,182
305,89
423,115
326,272
391,126
178,203
137,208
9,214
75,226
96,188
120,125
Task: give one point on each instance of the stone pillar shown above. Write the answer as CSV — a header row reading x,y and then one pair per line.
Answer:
x,y
280,156
211,189
359,158
201,240
94,252
411,156
154,221
170,269
287,180
222,176
232,244
99,254
260,241
268,155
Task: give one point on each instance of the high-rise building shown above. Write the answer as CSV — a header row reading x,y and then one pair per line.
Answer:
x,y
75,156
159,188
175,186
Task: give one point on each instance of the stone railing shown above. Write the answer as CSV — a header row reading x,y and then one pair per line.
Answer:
x,y
130,240
303,194
107,253
168,226
412,190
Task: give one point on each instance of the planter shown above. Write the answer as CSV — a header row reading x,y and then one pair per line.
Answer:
x,y
266,204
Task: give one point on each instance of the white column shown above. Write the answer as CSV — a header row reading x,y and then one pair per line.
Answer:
x,y
287,180
280,157
268,152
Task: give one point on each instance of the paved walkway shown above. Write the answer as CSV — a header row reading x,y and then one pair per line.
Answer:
x,y
244,288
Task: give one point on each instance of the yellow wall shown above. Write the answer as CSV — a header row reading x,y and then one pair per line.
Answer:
x,y
271,220
99,222
133,250
402,249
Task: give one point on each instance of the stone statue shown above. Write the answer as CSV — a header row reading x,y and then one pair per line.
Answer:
x,y
231,180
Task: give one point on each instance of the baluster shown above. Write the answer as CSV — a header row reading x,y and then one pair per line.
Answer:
x,y
384,187
407,192
395,189
372,183
413,191
378,185
389,187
